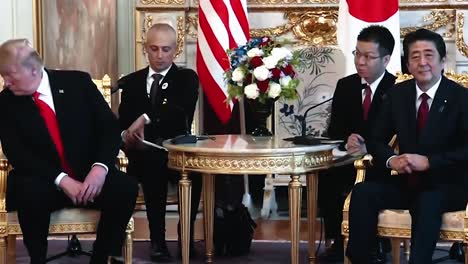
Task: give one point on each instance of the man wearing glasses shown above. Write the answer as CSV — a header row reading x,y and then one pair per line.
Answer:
x,y
356,102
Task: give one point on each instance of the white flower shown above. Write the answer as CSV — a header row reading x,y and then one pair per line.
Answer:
x,y
238,75
270,62
284,81
261,73
274,90
281,53
254,52
251,91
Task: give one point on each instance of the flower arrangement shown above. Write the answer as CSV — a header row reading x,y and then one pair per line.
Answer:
x,y
261,70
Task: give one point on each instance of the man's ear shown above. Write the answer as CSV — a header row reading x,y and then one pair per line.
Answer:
x,y
386,60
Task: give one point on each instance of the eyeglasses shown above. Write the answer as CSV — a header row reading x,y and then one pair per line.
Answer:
x,y
367,57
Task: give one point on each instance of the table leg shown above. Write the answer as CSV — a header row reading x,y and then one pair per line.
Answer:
x,y
312,188
295,215
208,210
185,194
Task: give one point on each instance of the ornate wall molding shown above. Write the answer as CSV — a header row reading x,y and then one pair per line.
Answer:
x,y
148,22
162,2
434,20
460,41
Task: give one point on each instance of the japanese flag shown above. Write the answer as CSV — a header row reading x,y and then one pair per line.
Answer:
x,y
354,15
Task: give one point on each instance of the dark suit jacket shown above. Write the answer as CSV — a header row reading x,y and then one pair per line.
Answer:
x,y
444,139
88,128
346,116
170,119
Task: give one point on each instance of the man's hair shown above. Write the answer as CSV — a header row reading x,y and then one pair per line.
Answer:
x,y
163,27
423,34
379,35
19,52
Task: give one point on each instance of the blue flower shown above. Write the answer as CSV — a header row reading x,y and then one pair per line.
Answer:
x,y
287,109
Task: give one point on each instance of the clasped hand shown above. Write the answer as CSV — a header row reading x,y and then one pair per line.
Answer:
x,y
82,193
133,136
355,144
409,163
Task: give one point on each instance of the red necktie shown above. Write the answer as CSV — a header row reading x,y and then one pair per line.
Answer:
x,y
51,122
423,112
367,102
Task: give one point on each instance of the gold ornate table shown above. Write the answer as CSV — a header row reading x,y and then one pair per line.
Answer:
x,y
236,154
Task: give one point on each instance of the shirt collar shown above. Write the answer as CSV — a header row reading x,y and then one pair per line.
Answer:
x,y
430,92
163,73
44,85
374,84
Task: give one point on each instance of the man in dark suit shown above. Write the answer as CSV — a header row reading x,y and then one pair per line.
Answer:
x,y
356,102
158,103
429,115
62,140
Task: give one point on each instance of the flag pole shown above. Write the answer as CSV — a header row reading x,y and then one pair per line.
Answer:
x,y
246,198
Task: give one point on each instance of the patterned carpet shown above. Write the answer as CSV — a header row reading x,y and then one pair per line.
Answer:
x,y
261,253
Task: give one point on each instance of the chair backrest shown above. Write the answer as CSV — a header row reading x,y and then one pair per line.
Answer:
x,y
460,78
104,86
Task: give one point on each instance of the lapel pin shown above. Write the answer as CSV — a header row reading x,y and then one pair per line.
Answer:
x,y
164,86
165,101
61,91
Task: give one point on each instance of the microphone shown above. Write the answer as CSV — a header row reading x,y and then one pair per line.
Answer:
x,y
304,122
186,138
303,138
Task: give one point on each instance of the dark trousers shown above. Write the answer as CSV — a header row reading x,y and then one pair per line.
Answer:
x,y
150,167
334,184
426,208
37,199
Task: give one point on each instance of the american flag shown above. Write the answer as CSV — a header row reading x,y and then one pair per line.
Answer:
x,y
222,25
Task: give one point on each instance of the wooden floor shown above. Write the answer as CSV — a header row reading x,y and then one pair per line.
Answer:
x,y
277,230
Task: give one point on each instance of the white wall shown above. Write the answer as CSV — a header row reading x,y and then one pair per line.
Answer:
x,y
16,19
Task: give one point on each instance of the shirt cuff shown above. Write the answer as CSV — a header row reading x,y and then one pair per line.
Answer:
x,y
387,164
147,119
102,165
59,178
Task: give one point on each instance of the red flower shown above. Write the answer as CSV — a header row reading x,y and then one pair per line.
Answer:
x,y
256,61
248,79
288,70
263,85
265,41
276,73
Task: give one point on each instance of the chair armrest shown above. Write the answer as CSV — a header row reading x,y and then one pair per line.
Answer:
x,y
4,169
122,161
361,165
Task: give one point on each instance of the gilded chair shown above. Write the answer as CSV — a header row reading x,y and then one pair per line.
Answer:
x,y
396,224
66,221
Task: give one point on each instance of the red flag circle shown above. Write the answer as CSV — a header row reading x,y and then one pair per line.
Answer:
x,y
372,11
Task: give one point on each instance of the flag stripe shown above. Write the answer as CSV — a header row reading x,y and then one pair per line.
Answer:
x,y
222,25
214,46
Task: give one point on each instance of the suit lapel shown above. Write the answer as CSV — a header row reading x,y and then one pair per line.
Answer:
x,y
59,96
409,111
437,110
29,119
387,81
167,85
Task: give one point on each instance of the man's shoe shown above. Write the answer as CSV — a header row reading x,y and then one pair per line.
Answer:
x,y
159,252
192,251
117,260
334,254
456,252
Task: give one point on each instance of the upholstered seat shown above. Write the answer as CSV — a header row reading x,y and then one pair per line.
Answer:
x,y
396,224
62,222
